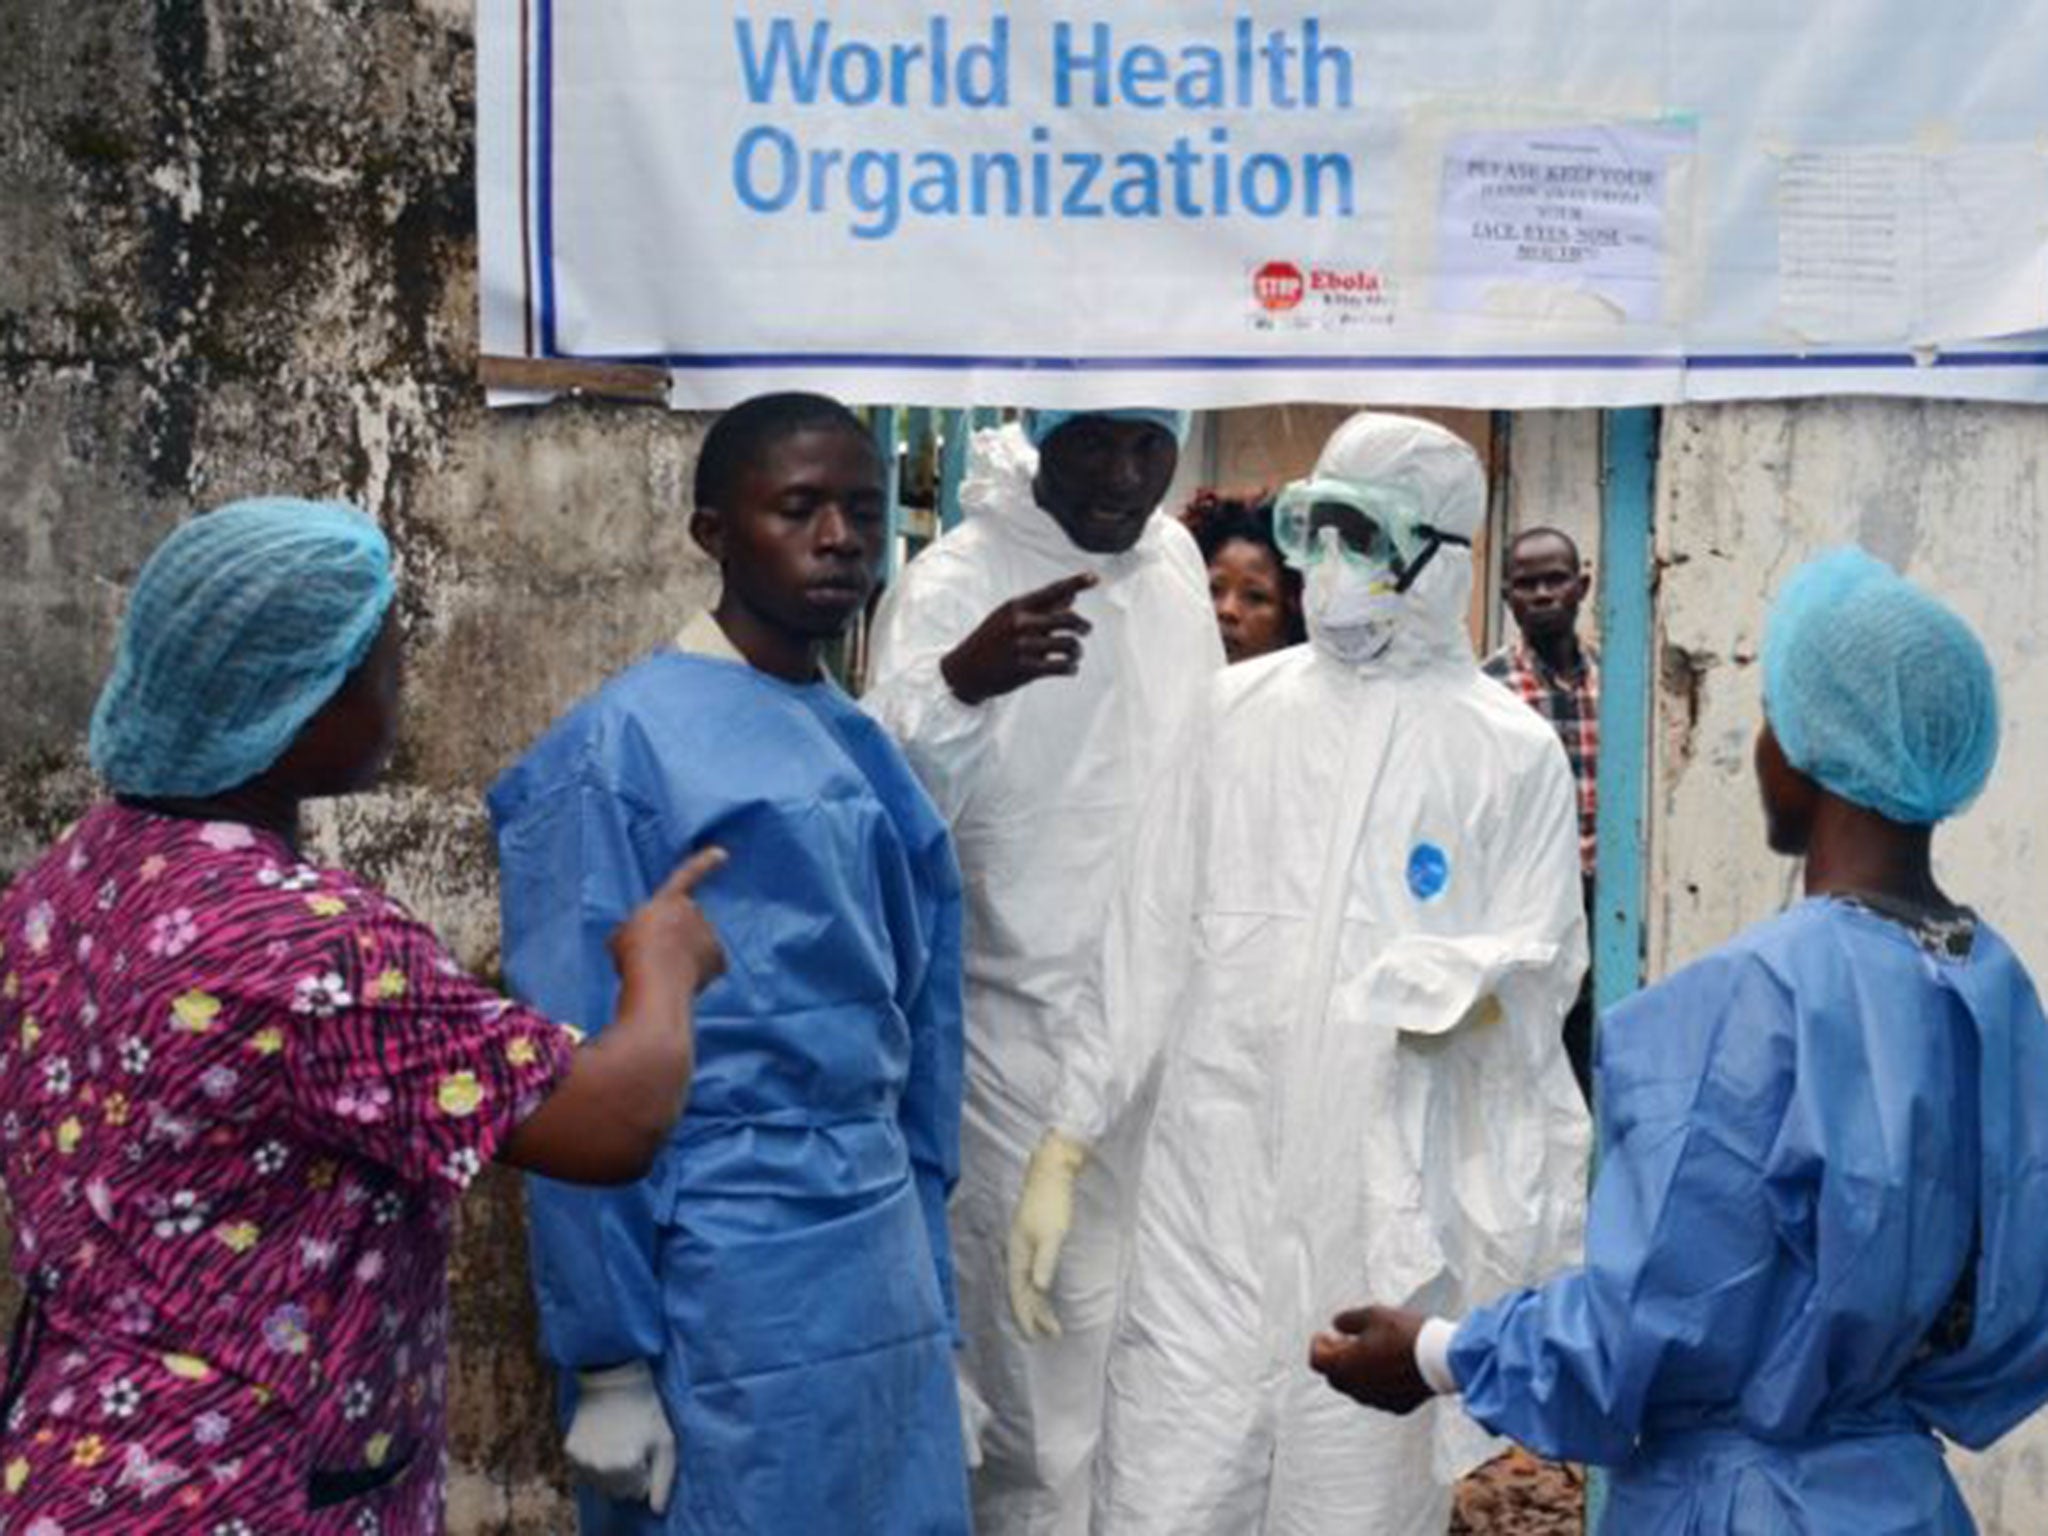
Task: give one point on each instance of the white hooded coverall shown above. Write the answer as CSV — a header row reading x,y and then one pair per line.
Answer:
x,y
1350,933
1042,787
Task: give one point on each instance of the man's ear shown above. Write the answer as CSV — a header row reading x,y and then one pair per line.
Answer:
x,y
707,527
1585,584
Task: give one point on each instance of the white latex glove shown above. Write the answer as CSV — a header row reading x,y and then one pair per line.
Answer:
x,y
974,1419
1045,1212
619,1441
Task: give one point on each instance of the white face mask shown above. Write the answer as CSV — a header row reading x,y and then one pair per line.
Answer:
x,y
1352,611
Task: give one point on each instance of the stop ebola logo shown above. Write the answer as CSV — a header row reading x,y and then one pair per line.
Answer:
x,y
1278,285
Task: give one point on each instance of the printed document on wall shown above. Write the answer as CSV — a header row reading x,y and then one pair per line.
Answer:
x,y
1558,223
1895,245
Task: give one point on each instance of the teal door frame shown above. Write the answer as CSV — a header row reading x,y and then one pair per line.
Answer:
x,y
915,433
1628,581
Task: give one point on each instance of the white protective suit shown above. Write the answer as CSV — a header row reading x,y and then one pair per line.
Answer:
x,y
1350,933
1042,787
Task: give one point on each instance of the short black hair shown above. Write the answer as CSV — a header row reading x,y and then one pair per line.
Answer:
x,y
742,434
1531,535
1216,518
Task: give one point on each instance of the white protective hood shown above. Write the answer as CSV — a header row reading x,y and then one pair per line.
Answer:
x,y
1445,476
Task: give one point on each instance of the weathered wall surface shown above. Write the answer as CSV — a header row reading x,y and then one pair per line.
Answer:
x,y
237,255
1956,496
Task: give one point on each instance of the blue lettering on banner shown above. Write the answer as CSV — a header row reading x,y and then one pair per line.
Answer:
x,y
788,167
858,74
1201,173
773,173
1255,73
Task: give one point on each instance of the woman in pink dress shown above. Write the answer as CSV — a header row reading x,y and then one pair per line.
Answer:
x,y
239,1094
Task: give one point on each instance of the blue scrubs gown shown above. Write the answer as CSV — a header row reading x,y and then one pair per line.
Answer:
x,y
785,1265
1819,1236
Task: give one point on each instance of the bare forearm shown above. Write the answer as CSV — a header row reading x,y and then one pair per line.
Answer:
x,y
607,1121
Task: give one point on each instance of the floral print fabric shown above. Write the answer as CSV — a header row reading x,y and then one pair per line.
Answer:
x,y
238,1097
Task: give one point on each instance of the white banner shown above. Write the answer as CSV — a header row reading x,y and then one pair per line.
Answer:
x,y
1486,203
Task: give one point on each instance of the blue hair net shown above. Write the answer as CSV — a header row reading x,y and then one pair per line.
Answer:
x,y
1878,691
1039,425
242,624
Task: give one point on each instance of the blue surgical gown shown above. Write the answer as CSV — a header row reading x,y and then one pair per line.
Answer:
x,y
1819,1235
785,1265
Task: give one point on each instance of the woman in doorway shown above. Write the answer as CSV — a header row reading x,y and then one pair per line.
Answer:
x,y
1256,593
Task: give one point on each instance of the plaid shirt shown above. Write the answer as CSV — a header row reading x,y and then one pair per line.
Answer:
x,y
1571,703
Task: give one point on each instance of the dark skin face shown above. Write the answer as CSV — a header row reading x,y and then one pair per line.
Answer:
x,y
1849,849
1250,598
1544,587
1791,800
1101,478
798,547
340,751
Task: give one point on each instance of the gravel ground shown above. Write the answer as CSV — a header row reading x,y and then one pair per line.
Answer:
x,y
1517,1495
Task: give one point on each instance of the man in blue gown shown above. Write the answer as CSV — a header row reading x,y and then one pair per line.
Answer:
x,y
760,1333
1820,1232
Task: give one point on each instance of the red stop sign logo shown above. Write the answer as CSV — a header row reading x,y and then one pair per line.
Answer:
x,y
1278,285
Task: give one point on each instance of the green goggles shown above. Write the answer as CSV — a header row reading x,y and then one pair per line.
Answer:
x,y
1373,525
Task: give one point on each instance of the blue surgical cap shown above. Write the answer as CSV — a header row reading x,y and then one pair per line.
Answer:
x,y
1878,691
1039,425
242,624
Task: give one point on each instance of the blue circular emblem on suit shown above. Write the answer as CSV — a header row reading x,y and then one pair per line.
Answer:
x,y
1429,871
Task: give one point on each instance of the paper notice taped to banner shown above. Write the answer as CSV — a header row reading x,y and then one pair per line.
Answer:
x,y
1567,224
1892,245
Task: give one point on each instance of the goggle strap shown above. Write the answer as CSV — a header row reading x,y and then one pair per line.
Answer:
x,y
1432,542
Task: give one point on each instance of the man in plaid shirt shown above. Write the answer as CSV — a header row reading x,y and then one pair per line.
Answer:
x,y
1558,676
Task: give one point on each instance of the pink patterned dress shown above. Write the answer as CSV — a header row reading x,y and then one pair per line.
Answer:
x,y
238,1099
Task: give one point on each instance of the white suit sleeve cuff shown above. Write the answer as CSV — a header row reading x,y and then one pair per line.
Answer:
x,y
1433,1356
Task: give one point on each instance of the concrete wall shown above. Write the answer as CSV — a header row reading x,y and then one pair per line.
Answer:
x,y
237,255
